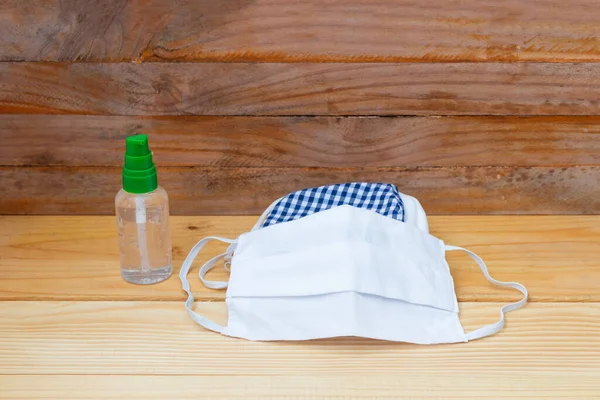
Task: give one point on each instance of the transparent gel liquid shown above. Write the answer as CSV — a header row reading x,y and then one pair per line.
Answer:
x,y
144,241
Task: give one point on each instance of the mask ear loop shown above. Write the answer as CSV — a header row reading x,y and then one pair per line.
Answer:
x,y
207,267
490,329
185,269
187,264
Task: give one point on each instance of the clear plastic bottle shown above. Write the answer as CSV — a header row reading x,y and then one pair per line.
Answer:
x,y
142,209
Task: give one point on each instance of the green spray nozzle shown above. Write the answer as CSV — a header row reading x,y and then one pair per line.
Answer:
x,y
137,145
139,171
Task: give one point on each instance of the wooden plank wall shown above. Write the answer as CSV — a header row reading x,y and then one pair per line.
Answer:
x,y
474,106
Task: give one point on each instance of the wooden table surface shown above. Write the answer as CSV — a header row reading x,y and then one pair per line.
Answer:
x,y
71,328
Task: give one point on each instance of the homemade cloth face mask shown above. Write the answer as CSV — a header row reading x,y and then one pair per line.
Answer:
x,y
343,270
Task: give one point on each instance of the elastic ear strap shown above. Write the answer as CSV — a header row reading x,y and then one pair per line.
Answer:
x,y
185,269
495,327
207,267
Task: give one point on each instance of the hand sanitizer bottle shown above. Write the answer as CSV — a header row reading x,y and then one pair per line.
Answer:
x,y
143,217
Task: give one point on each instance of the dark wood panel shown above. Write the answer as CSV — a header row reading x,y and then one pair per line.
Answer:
x,y
308,31
300,89
49,140
457,190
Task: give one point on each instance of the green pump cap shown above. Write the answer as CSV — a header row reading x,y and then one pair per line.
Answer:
x,y
139,172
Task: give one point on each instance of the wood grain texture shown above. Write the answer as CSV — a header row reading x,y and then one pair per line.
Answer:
x,y
410,385
76,258
159,338
243,191
310,31
301,89
339,142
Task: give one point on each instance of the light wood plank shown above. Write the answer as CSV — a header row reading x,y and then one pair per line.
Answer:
x,y
410,385
301,89
243,191
76,258
159,338
334,142
313,31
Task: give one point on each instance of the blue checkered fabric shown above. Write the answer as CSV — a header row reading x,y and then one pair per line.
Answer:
x,y
382,198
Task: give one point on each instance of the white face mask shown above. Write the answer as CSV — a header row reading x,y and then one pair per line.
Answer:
x,y
345,271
